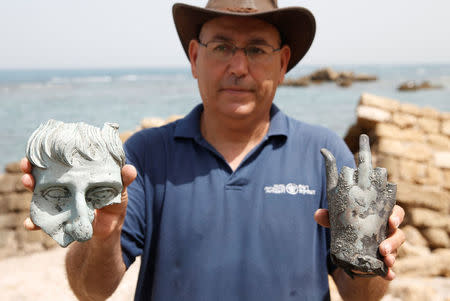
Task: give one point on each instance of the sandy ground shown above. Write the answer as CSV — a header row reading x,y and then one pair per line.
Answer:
x,y
41,276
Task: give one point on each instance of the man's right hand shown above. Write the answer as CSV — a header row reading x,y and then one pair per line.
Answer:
x,y
107,220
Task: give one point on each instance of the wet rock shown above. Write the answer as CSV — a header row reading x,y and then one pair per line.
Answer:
x,y
415,86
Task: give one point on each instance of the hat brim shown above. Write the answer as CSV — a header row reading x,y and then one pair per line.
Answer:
x,y
296,25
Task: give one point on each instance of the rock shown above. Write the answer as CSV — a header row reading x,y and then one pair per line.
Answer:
x,y
369,116
9,182
125,135
303,81
435,264
13,167
446,180
152,122
442,159
326,74
418,151
437,238
426,218
408,249
411,170
344,82
438,141
19,201
6,238
404,120
392,166
411,195
414,237
362,77
445,127
411,290
429,125
411,109
413,86
8,221
390,147
173,118
384,103
431,113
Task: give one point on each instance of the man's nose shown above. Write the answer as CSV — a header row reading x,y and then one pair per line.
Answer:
x,y
239,63
79,226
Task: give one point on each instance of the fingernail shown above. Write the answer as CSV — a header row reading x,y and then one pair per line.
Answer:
x,y
396,222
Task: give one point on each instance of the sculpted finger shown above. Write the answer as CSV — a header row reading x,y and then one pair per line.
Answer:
x,y
129,173
29,225
321,216
346,176
28,182
364,162
331,169
380,174
25,165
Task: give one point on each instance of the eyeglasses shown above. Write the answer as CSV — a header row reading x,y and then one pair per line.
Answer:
x,y
224,51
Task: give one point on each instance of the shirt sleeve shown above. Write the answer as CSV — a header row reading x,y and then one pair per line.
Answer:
x,y
135,224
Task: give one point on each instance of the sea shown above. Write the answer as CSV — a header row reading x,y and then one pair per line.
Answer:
x,y
126,96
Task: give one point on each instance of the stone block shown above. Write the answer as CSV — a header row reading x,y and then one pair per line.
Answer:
x,y
412,134
446,178
435,264
12,220
445,115
48,242
390,147
152,122
414,237
432,176
4,203
429,125
411,170
431,113
387,130
445,127
173,118
408,249
418,151
442,159
403,120
8,182
383,103
426,218
414,289
413,195
411,109
19,201
7,238
369,116
13,167
437,238
24,237
125,135
392,166
438,141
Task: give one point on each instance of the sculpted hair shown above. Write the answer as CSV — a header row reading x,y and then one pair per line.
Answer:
x,y
60,141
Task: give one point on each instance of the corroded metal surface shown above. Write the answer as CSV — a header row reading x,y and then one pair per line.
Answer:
x,y
360,203
77,170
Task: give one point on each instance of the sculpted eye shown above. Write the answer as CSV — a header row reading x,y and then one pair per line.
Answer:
x,y
56,193
101,194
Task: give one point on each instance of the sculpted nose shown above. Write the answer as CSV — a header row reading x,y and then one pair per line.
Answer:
x,y
79,226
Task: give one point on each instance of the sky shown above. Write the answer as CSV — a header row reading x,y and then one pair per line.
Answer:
x,y
47,34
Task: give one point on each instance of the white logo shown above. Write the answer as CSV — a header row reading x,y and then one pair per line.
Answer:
x,y
290,188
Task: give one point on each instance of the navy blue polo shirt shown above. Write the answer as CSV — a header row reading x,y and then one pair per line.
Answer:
x,y
207,233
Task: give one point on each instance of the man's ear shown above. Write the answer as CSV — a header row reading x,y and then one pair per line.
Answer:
x,y
193,54
285,55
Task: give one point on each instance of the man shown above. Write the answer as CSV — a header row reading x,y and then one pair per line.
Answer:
x,y
222,207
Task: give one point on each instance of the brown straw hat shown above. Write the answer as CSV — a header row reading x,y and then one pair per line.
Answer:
x,y
296,25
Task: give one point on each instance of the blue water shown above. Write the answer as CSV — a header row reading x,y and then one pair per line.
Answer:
x,y
31,97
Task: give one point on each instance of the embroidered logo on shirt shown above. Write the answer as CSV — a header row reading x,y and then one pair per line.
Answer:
x,y
290,188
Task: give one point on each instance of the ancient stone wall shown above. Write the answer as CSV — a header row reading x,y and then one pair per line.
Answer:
x,y
413,143
14,208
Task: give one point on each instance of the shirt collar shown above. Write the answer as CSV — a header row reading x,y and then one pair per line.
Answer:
x,y
189,126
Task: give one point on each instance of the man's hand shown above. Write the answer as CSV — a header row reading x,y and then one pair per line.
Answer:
x,y
389,247
107,219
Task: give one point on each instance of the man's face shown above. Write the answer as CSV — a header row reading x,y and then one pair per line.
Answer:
x,y
239,87
65,197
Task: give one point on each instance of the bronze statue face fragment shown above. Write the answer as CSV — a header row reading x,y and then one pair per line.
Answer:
x,y
77,170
